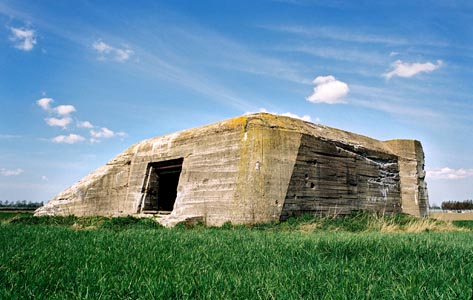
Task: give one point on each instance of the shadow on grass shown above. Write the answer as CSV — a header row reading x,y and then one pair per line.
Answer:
x,y
118,223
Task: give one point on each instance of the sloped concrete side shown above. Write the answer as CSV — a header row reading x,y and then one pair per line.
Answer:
x,y
207,183
102,192
414,196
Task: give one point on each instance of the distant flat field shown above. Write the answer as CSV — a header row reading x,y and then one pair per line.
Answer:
x,y
452,216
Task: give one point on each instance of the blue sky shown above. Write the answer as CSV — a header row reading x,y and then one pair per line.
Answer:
x,y
80,81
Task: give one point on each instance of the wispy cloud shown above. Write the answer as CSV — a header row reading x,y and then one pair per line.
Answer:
x,y
233,55
335,33
22,38
406,70
338,53
68,139
109,52
9,136
399,109
392,102
334,3
168,59
8,173
361,36
448,173
328,90
172,70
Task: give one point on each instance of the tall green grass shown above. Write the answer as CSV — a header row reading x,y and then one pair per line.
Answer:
x,y
234,262
8,216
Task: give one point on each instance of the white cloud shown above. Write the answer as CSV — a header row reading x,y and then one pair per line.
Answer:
x,y
24,39
104,133
6,172
61,117
122,55
64,110
303,118
101,47
61,111
447,173
45,103
44,178
68,139
84,124
403,69
63,122
328,90
109,52
306,118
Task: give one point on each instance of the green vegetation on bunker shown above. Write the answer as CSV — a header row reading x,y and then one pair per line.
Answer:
x,y
129,259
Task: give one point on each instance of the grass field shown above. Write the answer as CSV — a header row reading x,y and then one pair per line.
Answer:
x,y
452,216
98,258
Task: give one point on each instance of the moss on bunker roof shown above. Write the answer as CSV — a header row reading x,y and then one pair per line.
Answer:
x,y
280,123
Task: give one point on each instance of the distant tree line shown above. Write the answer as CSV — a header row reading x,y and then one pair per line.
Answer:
x,y
20,204
457,205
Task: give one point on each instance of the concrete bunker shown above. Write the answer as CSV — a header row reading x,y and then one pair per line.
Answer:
x,y
160,186
252,169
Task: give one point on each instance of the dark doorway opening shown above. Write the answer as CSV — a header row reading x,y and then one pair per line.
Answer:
x,y
160,189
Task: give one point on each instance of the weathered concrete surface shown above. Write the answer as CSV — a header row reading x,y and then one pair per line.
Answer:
x,y
257,168
414,197
338,178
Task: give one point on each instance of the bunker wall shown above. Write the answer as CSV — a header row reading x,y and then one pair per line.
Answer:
x,y
267,157
414,196
256,168
336,179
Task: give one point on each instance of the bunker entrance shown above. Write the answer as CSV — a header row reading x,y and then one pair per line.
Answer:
x,y
160,188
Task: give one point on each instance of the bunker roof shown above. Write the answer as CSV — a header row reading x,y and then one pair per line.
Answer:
x,y
278,122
